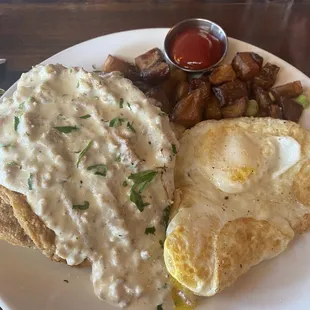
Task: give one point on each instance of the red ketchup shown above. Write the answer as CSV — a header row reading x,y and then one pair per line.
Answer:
x,y
196,49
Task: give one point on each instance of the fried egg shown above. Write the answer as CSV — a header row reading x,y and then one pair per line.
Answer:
x,y
241,197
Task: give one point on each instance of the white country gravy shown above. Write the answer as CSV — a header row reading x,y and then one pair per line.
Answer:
x,y
75,176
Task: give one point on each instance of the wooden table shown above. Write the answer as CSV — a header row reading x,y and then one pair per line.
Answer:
x,y
33,30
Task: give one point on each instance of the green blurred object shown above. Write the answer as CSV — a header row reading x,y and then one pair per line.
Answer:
x,y
303,100
252,108
182,297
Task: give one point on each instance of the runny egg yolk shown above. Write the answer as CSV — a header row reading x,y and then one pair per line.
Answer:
x,y
237,160
241,174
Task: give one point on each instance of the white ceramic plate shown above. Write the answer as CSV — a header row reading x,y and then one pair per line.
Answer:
x,y
29,281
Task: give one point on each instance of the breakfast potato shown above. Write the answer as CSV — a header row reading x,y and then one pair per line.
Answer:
x,y
113,63
178,74
178,131
182,90
149,59
263,100
199,82
236,109
142,85
247,65
229,92
189,111
291,109
213,109
176,77
169,86
249,85
267,76
162,101
275,111
290,90
202,83
222,74
156,74
152,66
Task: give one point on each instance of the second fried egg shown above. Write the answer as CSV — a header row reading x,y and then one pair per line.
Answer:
x,y
240,199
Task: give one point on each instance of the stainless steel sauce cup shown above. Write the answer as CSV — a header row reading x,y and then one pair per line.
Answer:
x,y
205,24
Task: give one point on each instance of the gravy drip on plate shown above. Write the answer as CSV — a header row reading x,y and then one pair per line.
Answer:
x,y
69,141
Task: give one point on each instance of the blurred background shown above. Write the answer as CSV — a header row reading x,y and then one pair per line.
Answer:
x,y
33,30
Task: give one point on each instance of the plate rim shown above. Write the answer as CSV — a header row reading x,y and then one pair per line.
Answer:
x,y
12,88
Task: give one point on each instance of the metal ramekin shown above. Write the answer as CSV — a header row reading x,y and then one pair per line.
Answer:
x,y
205,24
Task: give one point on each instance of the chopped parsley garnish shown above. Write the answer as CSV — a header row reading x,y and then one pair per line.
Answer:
x,y
101,169
117,121
16,123
81,207
2,91
61,116
30,182
14,163
129,106
161,242
136,198
118,158
78,84
174,149
166,215
125,183
130,126
83,152
86,116
121,103
143,175
21,106
5,145
150,230
31,98
159,307
95,69
67,129
141,180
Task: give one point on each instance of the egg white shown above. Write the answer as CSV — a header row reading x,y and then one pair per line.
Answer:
x,y
241,176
